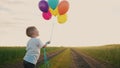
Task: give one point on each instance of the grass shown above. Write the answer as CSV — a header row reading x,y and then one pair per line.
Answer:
x,y
109,53
62,60
11,54
16,54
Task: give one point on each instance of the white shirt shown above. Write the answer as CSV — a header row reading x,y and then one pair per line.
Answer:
x,y
33,50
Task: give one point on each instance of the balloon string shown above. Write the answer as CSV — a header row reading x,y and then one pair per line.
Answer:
x,y
52,29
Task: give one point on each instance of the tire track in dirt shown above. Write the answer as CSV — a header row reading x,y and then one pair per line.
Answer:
x,y
80,60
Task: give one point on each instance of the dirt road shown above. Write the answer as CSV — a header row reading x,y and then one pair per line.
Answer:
x,y
80,60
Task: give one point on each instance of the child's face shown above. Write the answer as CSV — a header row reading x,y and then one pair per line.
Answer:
x,y
35,33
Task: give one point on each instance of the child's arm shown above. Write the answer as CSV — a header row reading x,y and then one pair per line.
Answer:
x,y
46,44
40,44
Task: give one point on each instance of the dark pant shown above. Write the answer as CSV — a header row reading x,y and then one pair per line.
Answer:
x,y
28,65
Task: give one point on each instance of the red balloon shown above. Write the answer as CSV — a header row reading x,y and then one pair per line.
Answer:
x,y
47,15
63,7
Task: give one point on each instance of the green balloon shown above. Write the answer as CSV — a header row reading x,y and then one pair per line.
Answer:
x,y
53,3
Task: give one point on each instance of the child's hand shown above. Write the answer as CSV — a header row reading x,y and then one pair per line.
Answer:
x,y
48,42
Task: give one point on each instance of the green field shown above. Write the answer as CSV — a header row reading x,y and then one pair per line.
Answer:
x,y
11,54
109,53
16,54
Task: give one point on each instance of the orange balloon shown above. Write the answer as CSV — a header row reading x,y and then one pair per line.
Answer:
x,y
63,7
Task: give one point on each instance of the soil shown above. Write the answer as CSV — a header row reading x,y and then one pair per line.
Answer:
x,y
80,60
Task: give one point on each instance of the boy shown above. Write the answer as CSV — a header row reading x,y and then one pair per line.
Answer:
x,y
33,47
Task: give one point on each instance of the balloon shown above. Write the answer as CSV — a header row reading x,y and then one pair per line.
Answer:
x,y
63,7
54,12
62,19
53,3
43,6
47,16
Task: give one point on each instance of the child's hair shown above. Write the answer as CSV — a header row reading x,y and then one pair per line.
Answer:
x,y
29,31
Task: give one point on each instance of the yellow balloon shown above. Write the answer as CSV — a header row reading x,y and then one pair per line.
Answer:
x,y
62,18
54,12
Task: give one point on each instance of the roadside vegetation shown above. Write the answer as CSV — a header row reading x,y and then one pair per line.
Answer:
x,y
62,60
109,53
11,55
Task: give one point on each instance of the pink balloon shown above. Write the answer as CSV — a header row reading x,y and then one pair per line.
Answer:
x,y
47,15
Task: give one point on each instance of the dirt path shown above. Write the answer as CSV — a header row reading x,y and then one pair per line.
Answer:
x,y
80,60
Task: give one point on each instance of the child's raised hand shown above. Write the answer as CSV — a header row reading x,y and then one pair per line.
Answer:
x,y
48,42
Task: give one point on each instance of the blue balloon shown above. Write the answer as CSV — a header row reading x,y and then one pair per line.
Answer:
x,y
53,3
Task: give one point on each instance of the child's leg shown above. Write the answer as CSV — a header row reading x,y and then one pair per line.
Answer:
x,y
28,65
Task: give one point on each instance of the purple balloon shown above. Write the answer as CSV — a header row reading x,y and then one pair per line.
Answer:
x,y
43,6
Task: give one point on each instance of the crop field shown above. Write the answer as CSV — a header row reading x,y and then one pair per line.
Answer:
x,y
109,54
59,57
12,55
